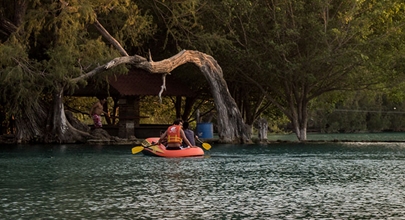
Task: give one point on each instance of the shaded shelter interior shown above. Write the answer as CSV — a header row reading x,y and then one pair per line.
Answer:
x,y
126,91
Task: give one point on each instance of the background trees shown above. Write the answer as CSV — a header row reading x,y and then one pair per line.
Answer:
x,y
299,50
279,57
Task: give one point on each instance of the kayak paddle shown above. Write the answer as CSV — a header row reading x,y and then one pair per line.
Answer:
x,y
137,149
146,144
206,146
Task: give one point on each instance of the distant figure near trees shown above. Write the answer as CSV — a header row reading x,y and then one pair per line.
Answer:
x,y
96,111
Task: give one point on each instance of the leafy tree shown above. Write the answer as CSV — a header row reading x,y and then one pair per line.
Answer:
x,y
51,43
299,50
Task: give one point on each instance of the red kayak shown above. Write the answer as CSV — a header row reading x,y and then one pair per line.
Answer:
x,y
161,151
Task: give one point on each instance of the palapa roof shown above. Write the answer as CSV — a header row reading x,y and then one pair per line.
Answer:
x,y
137,82
140,82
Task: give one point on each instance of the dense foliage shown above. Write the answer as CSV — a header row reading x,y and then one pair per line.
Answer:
x,y
281,58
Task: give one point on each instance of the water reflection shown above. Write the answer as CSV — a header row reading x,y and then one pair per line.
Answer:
x,y
282,181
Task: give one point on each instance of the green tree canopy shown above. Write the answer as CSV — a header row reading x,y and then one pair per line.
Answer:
x,y
295,51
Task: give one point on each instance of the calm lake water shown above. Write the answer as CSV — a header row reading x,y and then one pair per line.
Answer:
x,y
279,181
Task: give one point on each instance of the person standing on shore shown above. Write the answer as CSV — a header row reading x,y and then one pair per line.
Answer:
x,y
96,111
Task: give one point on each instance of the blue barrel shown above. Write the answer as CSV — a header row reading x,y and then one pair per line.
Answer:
x,y
205,130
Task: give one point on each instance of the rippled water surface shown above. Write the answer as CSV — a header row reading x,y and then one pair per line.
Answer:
x,y
278,181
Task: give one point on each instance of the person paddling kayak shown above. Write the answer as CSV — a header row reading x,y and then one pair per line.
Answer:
x,y
175,136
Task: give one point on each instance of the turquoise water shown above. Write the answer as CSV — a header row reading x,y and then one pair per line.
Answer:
x,y
278,181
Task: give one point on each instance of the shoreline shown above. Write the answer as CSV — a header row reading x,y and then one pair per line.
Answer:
x,y
384,137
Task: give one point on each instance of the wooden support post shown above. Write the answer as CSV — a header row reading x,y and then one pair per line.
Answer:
x,y
128,116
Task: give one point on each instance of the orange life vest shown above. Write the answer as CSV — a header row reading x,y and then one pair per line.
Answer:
x,y
173,134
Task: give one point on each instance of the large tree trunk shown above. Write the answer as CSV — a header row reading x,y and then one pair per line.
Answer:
x,y
62,130
299,119
300,129
231,127
30,123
